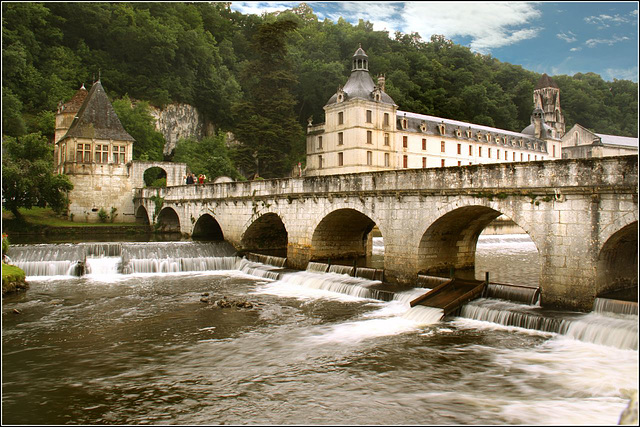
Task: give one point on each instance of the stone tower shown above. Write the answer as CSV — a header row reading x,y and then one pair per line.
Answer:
x,y
546,96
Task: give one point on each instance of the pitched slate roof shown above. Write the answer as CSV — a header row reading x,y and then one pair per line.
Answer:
x,y
546,81
76,101
97,118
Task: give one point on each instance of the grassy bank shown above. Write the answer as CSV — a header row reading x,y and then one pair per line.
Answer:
x,y
12,279
45,221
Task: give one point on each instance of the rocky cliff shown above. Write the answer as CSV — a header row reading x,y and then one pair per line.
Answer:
x,y
177,121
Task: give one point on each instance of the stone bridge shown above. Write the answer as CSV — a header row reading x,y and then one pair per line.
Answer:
x,y
582,215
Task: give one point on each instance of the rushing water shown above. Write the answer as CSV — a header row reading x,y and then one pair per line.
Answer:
x,y
131,342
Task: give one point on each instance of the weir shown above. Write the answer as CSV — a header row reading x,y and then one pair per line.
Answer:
x,y
612,322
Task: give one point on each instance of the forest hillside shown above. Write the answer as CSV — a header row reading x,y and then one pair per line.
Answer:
x,y
260,77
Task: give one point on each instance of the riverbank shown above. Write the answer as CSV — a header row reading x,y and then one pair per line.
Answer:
x,y
42,223
13,279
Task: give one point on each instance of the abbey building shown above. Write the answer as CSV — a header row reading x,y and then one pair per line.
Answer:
x,y
365,131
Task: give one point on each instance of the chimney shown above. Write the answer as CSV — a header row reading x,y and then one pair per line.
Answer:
x,y
381,82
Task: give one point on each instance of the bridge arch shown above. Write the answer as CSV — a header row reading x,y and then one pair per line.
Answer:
x,y
142,216
168,220
342,233
617,264
267,234
207,227
450,241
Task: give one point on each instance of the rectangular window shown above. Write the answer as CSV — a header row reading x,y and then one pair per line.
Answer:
x,y
386,139
119,154
386,159
83,154
514,156
369,137
528,157
442,162
554,150
489,152
479,151
319,162
471,150
459,163
442,146
369,116
386,119
369,158
340,118
521,157
405,141
320,142
405,161
459,148
340,159
498,154
535,157
102,153
424,143
506,155
424,162
340,138
63,151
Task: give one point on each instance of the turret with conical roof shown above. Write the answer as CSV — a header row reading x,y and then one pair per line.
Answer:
x,y
67,112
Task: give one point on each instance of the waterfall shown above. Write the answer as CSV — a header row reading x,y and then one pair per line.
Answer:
x,y
606,305
424,315
100,259
369,273
333,282
509,314
341,269
259,269
431,282
523,294
267,259
318,267
619,331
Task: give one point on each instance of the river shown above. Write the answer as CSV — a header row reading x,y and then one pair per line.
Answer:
x,y
139,345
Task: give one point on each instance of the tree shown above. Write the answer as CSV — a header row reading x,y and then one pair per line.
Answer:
x,y
27,177
272,139
210,156
140,124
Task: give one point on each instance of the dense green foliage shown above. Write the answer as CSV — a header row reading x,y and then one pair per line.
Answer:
x,y
262,77
27,176
210,157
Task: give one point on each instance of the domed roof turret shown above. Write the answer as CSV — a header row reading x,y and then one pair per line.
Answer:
x,y
360,84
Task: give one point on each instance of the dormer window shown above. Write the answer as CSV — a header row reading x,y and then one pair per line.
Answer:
x,y
488,136
497,140
441,128
423,127
468,133
405,123
458,133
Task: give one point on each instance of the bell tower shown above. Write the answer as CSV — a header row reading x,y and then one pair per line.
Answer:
x,y
546,96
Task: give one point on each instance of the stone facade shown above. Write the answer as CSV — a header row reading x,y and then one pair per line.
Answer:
x,y
96,153
581,214
581,143
365,131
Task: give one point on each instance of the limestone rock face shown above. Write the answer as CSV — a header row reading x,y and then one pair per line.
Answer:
x,y
177,121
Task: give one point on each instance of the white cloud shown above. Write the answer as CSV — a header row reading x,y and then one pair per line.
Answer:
x,y
489,25
609,42
575,49
569,37
621,74
605,21
257,8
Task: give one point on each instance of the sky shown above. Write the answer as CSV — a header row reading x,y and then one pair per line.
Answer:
x,y
545,37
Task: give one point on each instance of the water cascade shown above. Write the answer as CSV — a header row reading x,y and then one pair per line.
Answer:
x,y
267,259
370,273
341,269
523,294
318,267
606,305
